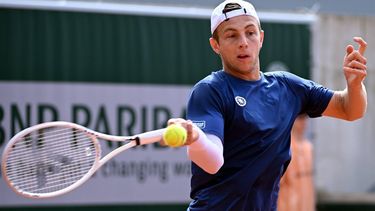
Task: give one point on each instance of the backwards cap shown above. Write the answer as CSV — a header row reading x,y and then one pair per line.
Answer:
x,y
229,9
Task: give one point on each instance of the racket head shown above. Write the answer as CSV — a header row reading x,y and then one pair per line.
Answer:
x,y
50,159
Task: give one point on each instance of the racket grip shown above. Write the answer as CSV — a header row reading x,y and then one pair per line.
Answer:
x,y
150,137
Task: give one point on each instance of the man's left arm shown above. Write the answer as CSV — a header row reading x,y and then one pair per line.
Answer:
x,y
351,103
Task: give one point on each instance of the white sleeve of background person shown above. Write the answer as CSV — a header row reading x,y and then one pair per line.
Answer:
x,y
207,152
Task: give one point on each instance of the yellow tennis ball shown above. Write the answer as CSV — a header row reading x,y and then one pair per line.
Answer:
x,y
175,136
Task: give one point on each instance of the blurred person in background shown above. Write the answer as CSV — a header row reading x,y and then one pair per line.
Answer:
x,y
297,191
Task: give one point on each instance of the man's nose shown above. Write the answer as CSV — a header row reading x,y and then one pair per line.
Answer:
x,y
243,42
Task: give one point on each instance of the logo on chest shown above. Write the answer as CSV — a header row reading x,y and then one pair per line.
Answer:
x,y
240,101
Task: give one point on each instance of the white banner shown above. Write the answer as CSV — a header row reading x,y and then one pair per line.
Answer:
x,y
146,174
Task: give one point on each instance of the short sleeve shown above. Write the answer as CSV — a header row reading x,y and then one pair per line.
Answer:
x,y
205,109
314,97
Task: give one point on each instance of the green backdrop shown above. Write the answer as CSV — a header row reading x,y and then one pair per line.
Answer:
x,y
42,45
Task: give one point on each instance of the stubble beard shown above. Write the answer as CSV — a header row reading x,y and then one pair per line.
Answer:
x,y
234,69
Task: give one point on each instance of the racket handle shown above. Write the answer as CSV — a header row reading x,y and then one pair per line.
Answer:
x,y
150,137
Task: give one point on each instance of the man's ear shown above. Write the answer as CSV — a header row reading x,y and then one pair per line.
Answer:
x,y
261,38
214,45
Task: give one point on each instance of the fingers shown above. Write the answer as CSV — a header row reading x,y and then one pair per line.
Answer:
x,y
176,121
356,55
357,65
355,69
361,73
190,133
349,49
188,125
355,62
362,45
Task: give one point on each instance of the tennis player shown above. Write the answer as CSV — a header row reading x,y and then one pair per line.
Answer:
x,y
244,116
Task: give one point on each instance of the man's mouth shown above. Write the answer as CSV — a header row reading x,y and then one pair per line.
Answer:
x,y
243,56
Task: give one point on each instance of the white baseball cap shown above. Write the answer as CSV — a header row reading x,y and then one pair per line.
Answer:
x,y
242,8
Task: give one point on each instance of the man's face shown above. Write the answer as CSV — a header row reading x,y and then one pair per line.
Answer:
x,y
239,43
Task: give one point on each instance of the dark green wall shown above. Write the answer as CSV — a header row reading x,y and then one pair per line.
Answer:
x,y
289,43
70,46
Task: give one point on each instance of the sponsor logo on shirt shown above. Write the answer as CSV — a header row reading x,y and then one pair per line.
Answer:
x,y
240,101
200,124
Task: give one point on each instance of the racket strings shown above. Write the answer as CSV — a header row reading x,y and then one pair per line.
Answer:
x,y
58,142
46,172
51,159
22,167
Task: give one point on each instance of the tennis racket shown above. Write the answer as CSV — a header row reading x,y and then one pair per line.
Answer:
x,y
53,158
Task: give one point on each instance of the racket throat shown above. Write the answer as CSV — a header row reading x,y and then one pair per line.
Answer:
x,y
137,140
